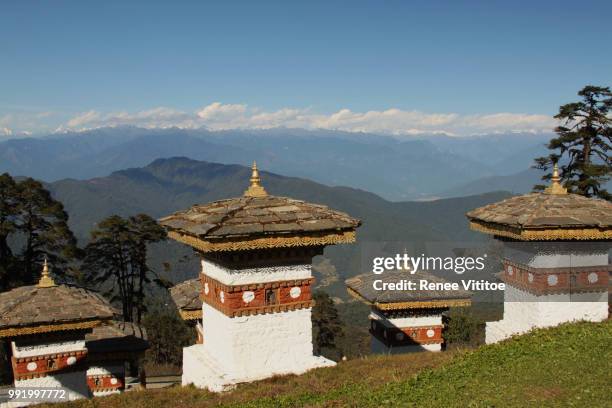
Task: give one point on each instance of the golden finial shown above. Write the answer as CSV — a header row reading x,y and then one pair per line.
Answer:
x,y
255,189
555,186
46,281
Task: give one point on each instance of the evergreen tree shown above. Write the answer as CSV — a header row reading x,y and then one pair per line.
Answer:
x,y
585,138
44,226
117,258
33,226
167,334
8,214
327,327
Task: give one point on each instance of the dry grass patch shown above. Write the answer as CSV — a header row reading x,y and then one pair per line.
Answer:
x,y
368,372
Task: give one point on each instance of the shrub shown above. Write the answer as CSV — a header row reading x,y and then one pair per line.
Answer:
x,y
167,334
463,328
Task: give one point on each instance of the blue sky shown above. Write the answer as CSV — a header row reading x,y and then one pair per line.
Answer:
x,y
63,60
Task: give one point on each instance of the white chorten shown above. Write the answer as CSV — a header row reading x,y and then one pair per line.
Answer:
x,y
46,325
256,280
556,266
405,321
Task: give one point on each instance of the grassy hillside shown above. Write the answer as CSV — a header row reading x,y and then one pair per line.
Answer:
x,y
563,366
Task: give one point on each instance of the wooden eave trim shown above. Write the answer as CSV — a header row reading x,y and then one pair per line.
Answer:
x,y
47,328
542,234
246,243
191,314
428,304
418,304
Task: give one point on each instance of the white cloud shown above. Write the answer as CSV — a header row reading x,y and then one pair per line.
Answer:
x,y
160,117
220,116
18,124
217,111
83,119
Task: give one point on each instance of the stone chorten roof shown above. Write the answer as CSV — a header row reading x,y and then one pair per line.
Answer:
x,y
551,215
361,287
258,220
47,307
117,336
186,297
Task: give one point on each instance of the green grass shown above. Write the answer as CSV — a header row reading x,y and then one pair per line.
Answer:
x,y
566,366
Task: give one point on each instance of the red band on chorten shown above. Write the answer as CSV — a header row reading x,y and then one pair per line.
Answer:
x,y
404,336
108,382
542,281
40,366
258,298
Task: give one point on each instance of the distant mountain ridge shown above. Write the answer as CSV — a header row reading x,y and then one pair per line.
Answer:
x,y
420,167
518,183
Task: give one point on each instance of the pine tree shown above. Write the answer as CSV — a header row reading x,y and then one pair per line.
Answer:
x,y
328,329
167,334
44,226
116,258
583,142
8,213
33,226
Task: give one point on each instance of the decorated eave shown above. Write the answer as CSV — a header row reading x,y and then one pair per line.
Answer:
x,y
47,307
186,297
259,221
551,215
361,287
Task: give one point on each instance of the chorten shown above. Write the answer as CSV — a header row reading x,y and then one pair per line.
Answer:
x,y
405,320
46,325
556,266
256,254
115,353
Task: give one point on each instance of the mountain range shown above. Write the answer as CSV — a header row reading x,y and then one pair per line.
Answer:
x,y
411,168
168,185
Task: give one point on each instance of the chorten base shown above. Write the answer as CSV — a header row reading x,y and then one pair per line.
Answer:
x,y
202,371
524,311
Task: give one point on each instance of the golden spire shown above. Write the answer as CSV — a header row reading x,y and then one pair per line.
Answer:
x,y
46,281
555,186
255,189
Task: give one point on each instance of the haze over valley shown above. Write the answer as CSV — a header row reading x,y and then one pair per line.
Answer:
x,y
408,168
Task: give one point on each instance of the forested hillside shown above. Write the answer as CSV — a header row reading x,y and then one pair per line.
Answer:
x,y
168,185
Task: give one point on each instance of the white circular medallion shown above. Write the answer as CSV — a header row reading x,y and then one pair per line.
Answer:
x,y
71,360
510,270
399,336
248,296
593,277
222,296
530,277
430,333
206,289
295,292
113,381
31,366
552,280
